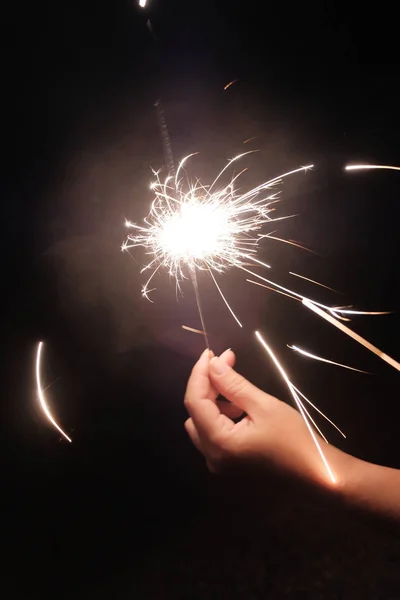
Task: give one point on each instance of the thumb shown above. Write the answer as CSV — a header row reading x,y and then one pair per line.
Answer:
x,y
234,387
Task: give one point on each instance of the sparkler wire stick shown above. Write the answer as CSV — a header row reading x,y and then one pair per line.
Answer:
x,y
298,403
321,313
193,276
40,392
162,123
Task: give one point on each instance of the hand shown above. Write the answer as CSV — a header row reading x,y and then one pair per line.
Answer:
x,y
272,432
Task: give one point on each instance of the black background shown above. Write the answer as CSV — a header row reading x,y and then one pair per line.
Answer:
x,y
128,509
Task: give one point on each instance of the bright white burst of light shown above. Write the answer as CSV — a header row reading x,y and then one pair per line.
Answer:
x,y
193,226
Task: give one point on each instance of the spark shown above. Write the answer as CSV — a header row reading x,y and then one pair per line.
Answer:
x,y
273,290
314,307
325,360
228,85
290,242
199,331
142,3
194,227
370,167
320,412
299,404
40,392
312,281
250,139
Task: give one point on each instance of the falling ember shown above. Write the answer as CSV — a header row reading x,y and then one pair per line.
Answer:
x,y
250,139
228,85
312,306
370,167
40,392
299,404
325,360
199,331
314,282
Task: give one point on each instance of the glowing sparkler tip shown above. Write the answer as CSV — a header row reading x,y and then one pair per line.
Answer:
x,y
195,226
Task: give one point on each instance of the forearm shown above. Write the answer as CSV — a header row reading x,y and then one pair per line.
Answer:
x,y
367,485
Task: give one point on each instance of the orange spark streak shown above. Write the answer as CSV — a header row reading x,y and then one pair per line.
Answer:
x,y
298,403
312,281
200,331
325,360
393,363
228,85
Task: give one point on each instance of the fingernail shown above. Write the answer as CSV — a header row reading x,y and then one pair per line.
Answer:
x,y
225,352
218,366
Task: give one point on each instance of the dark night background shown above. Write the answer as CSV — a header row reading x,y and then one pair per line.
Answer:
x,y
128,510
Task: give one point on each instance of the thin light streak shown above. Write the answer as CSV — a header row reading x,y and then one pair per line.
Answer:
x,y
334,310
225,300
321,313
325,360
40,392
298,403
370,167
319,411
199,331
290,242
312,420
273,290
228,85
313,281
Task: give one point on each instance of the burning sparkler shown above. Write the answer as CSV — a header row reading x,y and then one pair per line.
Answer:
x,y
212,228
195,227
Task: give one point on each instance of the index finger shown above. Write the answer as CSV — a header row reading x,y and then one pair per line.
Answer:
x,y
205,413
198,385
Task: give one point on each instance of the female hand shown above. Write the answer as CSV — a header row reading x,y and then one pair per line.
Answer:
x,y
272,432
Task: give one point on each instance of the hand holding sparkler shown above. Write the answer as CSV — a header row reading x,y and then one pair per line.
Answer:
x,y
273,434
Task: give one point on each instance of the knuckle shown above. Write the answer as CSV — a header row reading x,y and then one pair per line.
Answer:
x,y
237,388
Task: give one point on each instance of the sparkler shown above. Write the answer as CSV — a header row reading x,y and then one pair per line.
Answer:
x,y
40,392
194,227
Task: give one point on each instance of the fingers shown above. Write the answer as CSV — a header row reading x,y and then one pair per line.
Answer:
x,y
229,358
198,385
206,416
193,434
235,388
